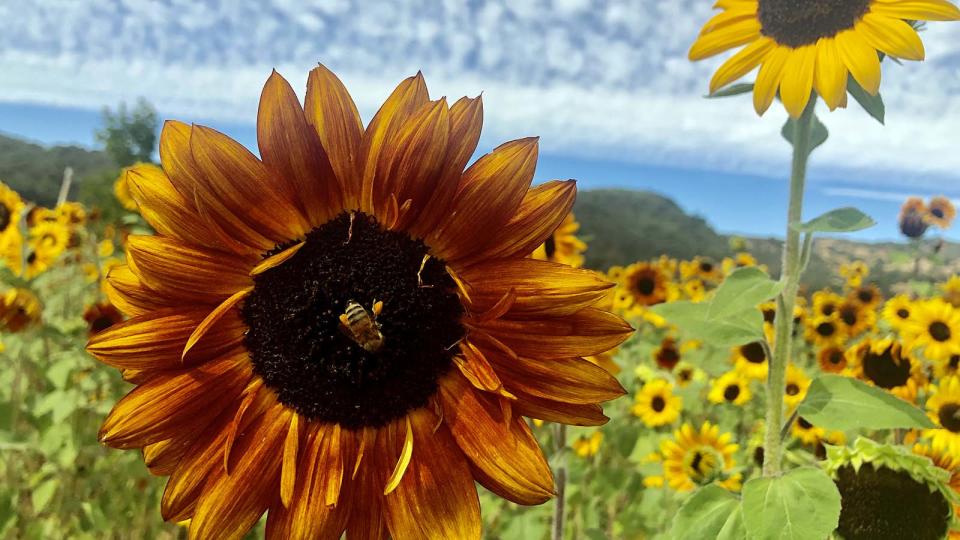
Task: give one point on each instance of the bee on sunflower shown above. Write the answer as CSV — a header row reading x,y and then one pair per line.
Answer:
x,y
941,212
656,405
731,387
897,311
935,328
562,245
885,364
813,46
700,457
348,332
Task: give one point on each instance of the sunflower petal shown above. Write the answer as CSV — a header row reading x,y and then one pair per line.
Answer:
x,y
860,58
917,10
768,79
797,79
208,322
589,331
830,76
725,38
892,36
560,412
741,63
570,380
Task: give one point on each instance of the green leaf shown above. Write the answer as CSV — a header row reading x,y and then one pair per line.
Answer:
x,y
705,514
846,219
842,403
743,289
803,504
735,329
818,134
42,494
872,104
59,372
732,90
734,528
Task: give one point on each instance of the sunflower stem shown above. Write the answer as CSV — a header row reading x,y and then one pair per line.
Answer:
x,y
790,277
560,481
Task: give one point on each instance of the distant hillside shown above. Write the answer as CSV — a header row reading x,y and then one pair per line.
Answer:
x,y
36,171
623,226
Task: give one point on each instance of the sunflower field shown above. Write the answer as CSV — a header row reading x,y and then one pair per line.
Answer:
x,y
370,331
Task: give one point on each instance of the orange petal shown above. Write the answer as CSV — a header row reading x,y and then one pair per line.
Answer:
x,y
131,296
436,498
366,499
288,470
558,411
475,367
170,403
571,380
210,321
332,113
291,149
505,453
155,340
161,458
489,196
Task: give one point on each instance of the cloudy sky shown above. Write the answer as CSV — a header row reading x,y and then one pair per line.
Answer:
x,y
606,85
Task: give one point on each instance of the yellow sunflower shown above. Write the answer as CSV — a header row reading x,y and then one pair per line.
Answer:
x,y
832,359
563,246
806,432
935,327
349,332
795,387
885,364
587,447
825,303
739,260
685,373
854,272
941,212
19,310
48,240
812,45
694,290
897,311
824,331
943,408
869,296
695,458
702,268
645,284
751,360
71,213
951,291
731,387
656,405
945,368
11,206
913,217
854,318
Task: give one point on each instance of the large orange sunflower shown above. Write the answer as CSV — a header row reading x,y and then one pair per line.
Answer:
x,y
348,332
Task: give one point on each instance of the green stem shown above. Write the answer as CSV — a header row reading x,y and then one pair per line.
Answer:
x,y
790,277
560,481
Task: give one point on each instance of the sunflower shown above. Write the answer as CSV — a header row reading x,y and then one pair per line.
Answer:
x,y
854,318
701,457
795,387
19,309
685,373
945,368
936,328
813,45
11,206
951,291
731,387
943,408
656,405
645,284
897,311
48,240
913,218
121,188
825,303
869,296
694,290
806,432
101,316
854,272
885,364
832,359
349,332
667,354
750,359
701,268
941,212
562,245
823,331
587,447
71,213
742,259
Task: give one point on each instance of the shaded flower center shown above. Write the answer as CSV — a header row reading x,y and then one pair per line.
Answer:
x,y
826,329
323,368
835,357
885,370
949,416
646,286
848,314
802,422
550,247
658,404
954,362
667,357
937,212
939,331
702,464
754,353
792,389
865,295
706,266
732,392
5,217
828,309
795,23
884,503
903,313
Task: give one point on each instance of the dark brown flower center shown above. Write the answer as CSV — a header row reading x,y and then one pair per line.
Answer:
x,y
887,369
667,357
828,309
550,247
954,362
795,23
865,295
754,353
937,212
903,313
5,217
835,357
646,285
939,331
826,329
731,392
949,416
848,314
792,389
658,404
319,367
706,266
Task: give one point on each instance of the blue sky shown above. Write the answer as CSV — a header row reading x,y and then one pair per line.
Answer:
x,y
605,84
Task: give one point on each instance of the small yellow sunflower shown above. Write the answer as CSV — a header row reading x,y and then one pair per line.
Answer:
x,y
656,405
702,268
854,272
951,291
563,246
941,212
885,364
854,318
825,303
685,373
695,458
71,213
694,290
945,368
832,359
349,332
645,284
913,218
48,240
587,446
19,309
943,408
812,45
731,387
869,295
741,259
11,206
824,331
806,432
897,311
751,360
795,387
935,327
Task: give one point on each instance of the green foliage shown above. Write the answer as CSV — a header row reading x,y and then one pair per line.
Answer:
x,y
129,136
870,103
732,90
742,290
818,135
803,504
845,219
841,403
711,512
36,172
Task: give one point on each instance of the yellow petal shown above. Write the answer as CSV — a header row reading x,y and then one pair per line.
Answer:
x,y
403,462
861,59
725,38
892,36
917,10
288,469
798,79
768,80
741,63
830,76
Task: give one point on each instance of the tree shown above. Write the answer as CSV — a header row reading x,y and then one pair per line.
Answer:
x,y
129,136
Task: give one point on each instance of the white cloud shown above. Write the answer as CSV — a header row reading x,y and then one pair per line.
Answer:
x,y
593,78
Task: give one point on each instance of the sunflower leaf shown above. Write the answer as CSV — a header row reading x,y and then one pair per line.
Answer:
x,y
846,219
709,512
735,328
732,90
803,504
818,135
870,103
841,403
743,289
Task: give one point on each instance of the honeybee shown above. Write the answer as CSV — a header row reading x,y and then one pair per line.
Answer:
x,y
361,326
